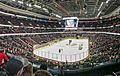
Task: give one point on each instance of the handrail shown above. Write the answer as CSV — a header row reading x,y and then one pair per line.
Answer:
x,y
22,34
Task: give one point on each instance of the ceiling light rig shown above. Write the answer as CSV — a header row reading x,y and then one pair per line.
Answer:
x,y
83,6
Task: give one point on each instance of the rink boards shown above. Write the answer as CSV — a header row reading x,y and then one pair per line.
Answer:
x,y
70,50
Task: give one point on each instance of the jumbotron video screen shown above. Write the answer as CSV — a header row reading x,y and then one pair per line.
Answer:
x,y
71,23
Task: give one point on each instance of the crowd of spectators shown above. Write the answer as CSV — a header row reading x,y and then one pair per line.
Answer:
x,y
105,22
22,25
106,25
104,48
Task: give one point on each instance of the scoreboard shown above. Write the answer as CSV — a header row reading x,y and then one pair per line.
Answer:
x,y
71,23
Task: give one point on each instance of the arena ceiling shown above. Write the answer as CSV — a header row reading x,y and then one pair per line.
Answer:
x,y
78,8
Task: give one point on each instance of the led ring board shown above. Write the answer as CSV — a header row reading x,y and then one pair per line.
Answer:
x,y
71,23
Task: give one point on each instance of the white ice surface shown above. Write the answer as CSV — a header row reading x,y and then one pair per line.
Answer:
x,y
71,52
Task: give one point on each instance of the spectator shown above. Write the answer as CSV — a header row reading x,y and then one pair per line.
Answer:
x,y
42,73
14,67
3,57
43,67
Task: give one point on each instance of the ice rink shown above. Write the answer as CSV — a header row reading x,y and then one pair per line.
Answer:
x,y
69,50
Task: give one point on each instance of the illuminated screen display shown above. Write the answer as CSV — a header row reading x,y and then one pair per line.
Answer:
x,y
71,22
